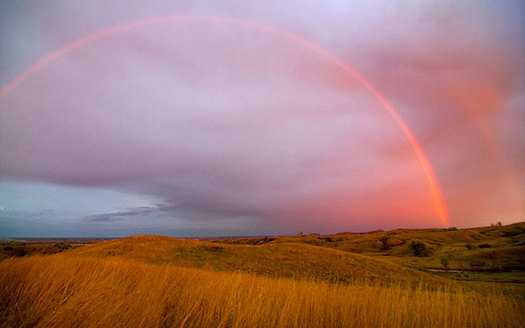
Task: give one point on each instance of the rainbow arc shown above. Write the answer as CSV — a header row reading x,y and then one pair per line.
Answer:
x,y
439,200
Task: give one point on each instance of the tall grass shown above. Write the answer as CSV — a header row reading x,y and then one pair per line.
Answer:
x,y
60,291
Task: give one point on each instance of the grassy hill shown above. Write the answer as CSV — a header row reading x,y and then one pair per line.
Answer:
x,y
299,261
343,280
487,249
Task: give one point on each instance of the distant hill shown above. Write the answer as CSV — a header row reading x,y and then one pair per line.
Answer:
x,y
494,248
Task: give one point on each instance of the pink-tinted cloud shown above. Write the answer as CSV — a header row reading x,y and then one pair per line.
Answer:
x,y
224,122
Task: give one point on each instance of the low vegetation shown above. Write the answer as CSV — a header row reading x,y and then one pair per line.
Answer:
x,y
290,260
419,248
376,279
60,291
466,249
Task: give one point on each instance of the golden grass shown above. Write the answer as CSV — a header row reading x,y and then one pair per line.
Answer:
x,y
298,261
70,291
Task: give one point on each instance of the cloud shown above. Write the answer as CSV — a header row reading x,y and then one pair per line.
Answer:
x,y
143,211
222,121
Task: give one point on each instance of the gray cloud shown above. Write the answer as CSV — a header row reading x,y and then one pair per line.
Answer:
x,y
143,211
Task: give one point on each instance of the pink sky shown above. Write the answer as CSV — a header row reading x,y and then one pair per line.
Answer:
x,y
207,127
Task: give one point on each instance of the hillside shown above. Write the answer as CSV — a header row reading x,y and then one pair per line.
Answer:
x,y
82,291
495,253
298,281
300,261
487,249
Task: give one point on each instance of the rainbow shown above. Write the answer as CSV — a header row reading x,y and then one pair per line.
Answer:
x,y
440,204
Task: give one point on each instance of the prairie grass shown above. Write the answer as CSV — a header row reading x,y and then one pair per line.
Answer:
x,y
280,260
69,291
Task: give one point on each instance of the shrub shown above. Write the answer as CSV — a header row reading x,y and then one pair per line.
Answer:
x,y
213,249
477,264
469,246
419,248
63,246
19,252
484,245
384,243
266,240
445,261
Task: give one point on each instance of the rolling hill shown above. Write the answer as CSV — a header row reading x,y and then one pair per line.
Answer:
x,y
293,260
491,249
343,280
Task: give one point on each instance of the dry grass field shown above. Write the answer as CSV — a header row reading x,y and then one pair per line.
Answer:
x,y
60,291
154,281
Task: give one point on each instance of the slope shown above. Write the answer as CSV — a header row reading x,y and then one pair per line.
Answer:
x,y
299,261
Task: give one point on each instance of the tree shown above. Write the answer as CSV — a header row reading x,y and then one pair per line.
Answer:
x,y
384,243
419,248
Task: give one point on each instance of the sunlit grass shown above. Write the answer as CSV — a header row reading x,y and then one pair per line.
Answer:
x,y
296,261
65,291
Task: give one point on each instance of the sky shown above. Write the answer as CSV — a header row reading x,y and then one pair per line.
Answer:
x,y
228,118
